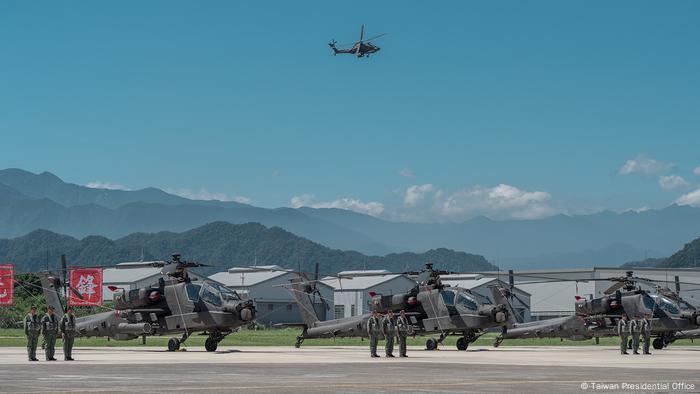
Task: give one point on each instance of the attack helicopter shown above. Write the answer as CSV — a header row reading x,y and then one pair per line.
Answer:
x,y
361,48
431,308
179,302
671,317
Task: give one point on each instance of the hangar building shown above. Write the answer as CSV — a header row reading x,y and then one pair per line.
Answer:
x,y
274,303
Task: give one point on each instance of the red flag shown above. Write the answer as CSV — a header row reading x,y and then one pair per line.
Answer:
x,y
88,283
7,284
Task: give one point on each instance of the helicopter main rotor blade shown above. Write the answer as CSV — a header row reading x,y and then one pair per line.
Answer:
x,y
614,288
375,37
362,32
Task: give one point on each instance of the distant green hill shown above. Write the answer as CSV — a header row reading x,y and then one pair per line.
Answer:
x,y
689,256
221,244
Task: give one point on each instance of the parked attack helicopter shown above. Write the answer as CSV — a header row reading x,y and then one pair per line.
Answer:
x,y
671,317
180,302
360,48
431,308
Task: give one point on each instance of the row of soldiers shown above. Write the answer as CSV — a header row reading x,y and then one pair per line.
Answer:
x,y
51,328
639,327
389,327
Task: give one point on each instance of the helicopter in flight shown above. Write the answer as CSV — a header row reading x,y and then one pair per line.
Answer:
x,y
361,48
671,317
431,307
179,302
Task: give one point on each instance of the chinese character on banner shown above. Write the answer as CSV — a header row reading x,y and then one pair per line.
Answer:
x,y
88,283
7,284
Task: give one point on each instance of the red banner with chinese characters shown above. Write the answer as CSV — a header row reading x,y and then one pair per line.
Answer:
x,y
7,284
88,283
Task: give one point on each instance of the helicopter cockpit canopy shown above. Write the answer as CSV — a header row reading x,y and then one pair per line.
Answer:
x,y
655,301
209,291
453,297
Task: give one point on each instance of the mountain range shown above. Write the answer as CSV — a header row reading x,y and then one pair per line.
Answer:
x,y
31,201
221,245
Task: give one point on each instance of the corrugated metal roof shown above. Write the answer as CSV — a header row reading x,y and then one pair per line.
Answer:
x,y
243,277
361,282
128,275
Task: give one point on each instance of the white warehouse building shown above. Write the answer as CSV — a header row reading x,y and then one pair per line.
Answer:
x,y
273,302
351,290
128,279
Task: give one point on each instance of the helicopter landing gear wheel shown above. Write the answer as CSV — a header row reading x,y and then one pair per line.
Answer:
x,y
173,344
462,344
211,344
431,344
299,341
658,343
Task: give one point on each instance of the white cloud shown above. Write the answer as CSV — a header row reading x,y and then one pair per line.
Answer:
x,y
499,201
644,165
406,173
696,170
692,198
670,182
204,194
416,194
372,208
242,199
106,185
428,203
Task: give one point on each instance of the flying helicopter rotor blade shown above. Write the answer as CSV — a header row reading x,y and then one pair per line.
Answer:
x,y
375,37
362,32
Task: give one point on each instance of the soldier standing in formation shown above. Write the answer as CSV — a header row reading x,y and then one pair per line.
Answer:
x,y
389,330
635,330
646,333
32,328
49,326
67,327
402,328
374,329
623,331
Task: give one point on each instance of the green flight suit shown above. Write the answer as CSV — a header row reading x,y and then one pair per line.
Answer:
x,y
402,329
374,330
49,326
646,334
32,329
389,331
68,330
636,331
623,331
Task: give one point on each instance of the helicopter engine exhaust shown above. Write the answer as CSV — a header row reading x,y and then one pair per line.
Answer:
x,y
135,328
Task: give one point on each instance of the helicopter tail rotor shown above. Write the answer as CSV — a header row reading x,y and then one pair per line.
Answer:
x,y
332,44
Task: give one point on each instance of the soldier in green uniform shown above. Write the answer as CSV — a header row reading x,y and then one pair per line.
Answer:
x,y
374,329
623,331
49,326
402,331
32,328
646,333
389,330
67,327
636,331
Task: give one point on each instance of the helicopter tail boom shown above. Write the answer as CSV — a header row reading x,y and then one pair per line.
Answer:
x,y
49,285
306,307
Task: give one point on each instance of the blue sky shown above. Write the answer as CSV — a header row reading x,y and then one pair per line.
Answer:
x,y
550,100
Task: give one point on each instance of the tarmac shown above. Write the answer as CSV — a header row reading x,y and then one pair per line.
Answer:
x,y
349,369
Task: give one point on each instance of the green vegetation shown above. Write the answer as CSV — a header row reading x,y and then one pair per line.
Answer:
x,y
222,245
286,337
687,257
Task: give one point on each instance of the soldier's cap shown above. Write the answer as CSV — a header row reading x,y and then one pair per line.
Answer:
x,y
32,307
51,307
